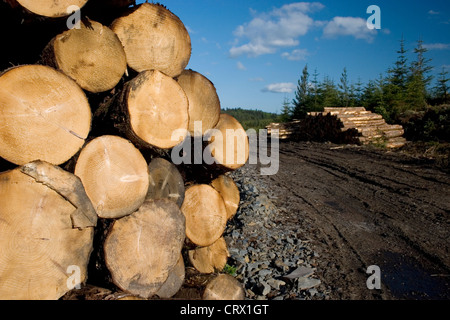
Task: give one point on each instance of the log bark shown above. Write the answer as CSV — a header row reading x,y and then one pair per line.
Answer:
x,y
142,249
204,103
229,192
206,215
116,4
210,259
154,39
51,8
165,181
69,187
229,143
115,176
224,287
93,56
43,254
149,109
45,115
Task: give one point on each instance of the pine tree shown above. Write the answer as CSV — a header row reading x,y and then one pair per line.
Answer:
x,y
352,96
419,79
286,111
344,87
358,92
315,92
442,88
329,94
395,89
301,101
398,75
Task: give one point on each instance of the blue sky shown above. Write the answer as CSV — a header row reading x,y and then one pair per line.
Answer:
x,y
255,50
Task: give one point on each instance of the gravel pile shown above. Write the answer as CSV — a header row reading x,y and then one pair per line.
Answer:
x,y
266,250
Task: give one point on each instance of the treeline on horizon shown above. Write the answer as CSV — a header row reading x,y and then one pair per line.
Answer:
x,y
253,119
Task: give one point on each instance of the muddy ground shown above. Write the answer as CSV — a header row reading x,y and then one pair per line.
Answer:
x,y
364,207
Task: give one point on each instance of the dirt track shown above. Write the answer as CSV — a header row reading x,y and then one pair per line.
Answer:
x,y
363,207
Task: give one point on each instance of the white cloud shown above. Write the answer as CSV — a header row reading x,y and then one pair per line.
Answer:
x,y
241,66
432,12
284,87
349,26
437,46
267,32
296,55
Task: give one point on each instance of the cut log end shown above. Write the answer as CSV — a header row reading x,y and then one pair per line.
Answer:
x,y
115,176
154,39
92,55
157,108
142,249
229,192
210,259
174,281
165,182
41,250
52,8
46,115
204,103
205,213
229,143
224,287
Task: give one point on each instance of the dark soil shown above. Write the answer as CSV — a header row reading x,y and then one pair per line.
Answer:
x,y
364,206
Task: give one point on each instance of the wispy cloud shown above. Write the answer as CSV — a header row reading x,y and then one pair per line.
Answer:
x,y
279,28
284,87
437,46
349,26
296,55
433,13
240,66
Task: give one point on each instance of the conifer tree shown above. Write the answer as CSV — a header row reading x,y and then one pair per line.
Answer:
x,y
344,87
301,100
329,93
442,87
419,79
286,111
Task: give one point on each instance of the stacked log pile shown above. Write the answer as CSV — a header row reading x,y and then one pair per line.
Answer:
x,y
372,127
343,125
320,128
90,118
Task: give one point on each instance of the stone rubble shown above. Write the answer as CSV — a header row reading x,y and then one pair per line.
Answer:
x,y
270,260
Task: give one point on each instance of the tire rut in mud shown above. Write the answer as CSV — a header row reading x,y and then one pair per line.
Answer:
x,y
365,207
